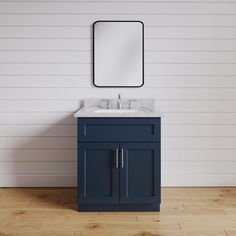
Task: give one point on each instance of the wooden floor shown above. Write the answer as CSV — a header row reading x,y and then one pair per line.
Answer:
x,y
52,212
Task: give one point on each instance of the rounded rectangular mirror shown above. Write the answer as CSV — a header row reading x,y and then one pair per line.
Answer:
x,y
118,53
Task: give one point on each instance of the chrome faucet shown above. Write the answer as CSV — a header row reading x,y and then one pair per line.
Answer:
x,y
119,104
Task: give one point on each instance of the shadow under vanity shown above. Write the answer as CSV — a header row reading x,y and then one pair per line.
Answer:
x,y
119,155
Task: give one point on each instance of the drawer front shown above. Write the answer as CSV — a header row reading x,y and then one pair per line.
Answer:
x,y
119,129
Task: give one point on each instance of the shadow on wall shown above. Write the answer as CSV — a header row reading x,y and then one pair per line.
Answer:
x,y
46,159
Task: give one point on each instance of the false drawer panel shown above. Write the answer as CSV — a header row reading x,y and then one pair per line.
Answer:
x,y
118,129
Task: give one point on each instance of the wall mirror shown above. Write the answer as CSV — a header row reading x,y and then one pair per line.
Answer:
x,y
118,54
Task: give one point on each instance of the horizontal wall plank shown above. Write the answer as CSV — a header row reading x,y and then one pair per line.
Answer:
x,y
119,8
76,57
190,69
70,143
45,69
190,32
179,179
46,81
70,167
38,167
37,119
39,106
193,156
78,93
199,118
190,57
70,106
197,106
46,32
149,69
149,44
45,44
190,44
168,1
46,57
60,130
168,179
86,32
37,156
70,180
36,180
191,81
88,19
77,81
30,143
56,130
198,130
168,155
199,143
68,118
200,167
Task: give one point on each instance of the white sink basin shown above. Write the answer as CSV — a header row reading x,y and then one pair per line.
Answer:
x,y
115,111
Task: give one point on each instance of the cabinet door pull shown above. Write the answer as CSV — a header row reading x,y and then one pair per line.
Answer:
x,y
117,158
122,158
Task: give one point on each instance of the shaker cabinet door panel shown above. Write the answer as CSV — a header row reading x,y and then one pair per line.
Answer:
x,y
140,173
98,174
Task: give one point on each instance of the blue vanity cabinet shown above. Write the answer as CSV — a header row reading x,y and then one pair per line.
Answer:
x,y
119,164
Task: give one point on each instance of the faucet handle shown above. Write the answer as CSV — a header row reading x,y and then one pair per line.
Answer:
x,y
130,102
108,106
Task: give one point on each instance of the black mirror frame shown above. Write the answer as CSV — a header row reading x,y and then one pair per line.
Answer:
x,y
93,48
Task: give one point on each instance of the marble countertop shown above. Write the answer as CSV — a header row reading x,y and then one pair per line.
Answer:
x,y
95,107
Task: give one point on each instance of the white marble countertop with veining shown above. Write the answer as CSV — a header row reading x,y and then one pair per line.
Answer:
x,y
97,108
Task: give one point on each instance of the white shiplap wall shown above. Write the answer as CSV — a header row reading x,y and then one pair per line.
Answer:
x,y
45,70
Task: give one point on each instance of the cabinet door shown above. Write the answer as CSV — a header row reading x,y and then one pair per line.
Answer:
x,y
98,173
140,173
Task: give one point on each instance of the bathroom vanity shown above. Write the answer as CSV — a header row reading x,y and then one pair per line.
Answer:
x,y
119,156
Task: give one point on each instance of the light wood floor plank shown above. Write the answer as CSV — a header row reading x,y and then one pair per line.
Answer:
x,y
110,227
230,211
167,233
231,232
37,233
208,224
53,212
